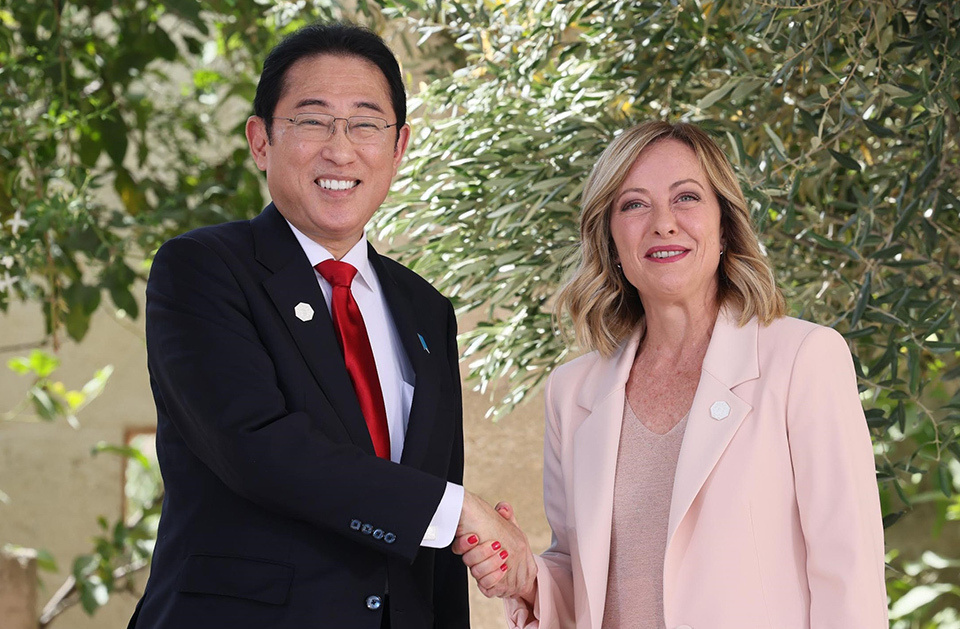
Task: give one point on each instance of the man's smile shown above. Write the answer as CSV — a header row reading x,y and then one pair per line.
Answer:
x,y
337,184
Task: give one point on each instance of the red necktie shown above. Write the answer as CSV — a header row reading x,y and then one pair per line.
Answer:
x,y
357,354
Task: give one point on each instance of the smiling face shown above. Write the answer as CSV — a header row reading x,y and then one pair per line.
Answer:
x,y
329,188
665,223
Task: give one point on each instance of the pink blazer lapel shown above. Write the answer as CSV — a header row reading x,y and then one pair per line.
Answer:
x,y
716,413
595,445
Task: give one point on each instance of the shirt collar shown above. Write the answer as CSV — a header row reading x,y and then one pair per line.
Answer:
x,y
356,257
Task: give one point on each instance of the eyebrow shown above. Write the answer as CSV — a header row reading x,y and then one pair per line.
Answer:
x,y
675,184
319,102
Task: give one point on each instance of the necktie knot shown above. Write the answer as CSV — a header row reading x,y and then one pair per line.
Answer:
x,y
336,272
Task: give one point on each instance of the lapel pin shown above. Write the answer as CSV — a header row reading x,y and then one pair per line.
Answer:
x,y
719,410
303,311
424,343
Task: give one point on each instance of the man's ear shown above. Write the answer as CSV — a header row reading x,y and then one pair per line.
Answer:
x,y
258,140
403,139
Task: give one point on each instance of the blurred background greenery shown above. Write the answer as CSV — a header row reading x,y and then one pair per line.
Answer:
x,y
122,126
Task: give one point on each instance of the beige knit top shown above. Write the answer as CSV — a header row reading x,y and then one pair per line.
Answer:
x,y
646,465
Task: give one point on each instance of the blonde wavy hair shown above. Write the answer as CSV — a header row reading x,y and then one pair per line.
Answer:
x,y
603,307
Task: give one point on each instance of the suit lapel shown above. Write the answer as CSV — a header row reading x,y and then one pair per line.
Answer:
x,y
716,413
595,446
294,282
426,393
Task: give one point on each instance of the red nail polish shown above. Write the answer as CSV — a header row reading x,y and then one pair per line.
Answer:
x,y
495,545
473,539
503,568
503,554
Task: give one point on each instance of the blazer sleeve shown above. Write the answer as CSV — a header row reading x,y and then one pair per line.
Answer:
x,y
553,602
836,487
216,381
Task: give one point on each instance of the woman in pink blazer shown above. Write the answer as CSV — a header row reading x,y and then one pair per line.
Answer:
x,y
708,464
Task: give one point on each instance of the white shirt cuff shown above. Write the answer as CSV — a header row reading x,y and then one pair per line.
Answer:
x,y
443,526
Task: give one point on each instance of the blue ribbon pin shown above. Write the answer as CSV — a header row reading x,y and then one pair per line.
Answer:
x,y
424,343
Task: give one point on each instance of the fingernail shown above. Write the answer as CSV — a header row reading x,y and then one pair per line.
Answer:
x,y
473,539
495,545
503,554
503,568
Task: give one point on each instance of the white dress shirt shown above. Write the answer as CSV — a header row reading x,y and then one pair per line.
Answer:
x,y
397,378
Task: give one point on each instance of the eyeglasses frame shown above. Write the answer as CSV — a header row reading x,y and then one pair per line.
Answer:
x,y
346,126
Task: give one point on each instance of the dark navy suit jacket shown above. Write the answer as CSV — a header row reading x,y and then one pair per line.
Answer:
x,y
276,513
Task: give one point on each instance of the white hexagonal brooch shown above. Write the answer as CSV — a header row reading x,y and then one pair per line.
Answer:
x,y
303,311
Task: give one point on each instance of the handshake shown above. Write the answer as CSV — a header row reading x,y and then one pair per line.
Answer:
x,y
495,550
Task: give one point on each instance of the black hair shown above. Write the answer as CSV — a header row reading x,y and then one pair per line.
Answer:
x,y
335,38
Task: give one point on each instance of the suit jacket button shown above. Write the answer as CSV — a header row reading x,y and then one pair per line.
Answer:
x,y
378,534
374,602
355,525
366,529
389,538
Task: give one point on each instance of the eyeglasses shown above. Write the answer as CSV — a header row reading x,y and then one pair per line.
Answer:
x,y
320,127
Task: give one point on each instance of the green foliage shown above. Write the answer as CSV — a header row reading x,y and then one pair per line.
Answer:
x,y
923,588
840,118
122,547
839,115
48,398
122,126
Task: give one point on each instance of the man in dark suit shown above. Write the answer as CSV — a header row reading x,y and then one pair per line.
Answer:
x,y
307,388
